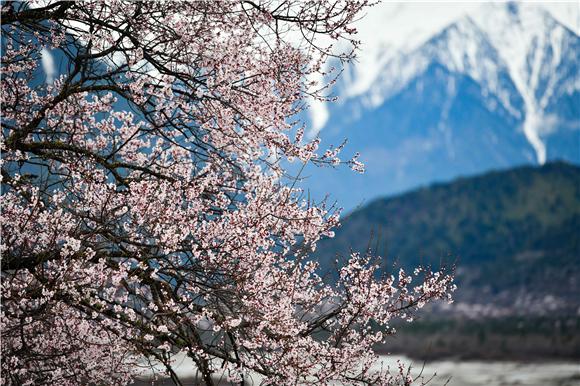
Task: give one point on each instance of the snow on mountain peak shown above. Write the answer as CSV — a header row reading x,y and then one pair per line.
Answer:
x,y
484,42
524,36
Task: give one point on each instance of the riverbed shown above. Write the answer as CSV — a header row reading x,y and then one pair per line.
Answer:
x,y
504,373
456,373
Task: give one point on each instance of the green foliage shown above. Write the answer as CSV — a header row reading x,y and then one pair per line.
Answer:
x,y
514,228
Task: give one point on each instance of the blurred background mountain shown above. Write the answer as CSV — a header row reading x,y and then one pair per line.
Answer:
x,y
495,87
513,235
514,238
468,121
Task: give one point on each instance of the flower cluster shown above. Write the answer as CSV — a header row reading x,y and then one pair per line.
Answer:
x,y
146,210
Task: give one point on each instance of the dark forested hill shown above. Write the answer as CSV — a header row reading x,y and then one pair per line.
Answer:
x,y
511,232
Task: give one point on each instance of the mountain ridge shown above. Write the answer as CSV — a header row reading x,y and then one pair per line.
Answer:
x,y
468,46
509,231
462,103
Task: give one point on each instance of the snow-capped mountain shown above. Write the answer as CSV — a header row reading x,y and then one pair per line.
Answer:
x,y
497,87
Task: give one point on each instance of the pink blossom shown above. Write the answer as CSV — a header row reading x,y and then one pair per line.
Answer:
x,y
146,210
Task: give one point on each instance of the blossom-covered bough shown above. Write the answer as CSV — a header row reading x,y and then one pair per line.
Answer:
x,y
145,206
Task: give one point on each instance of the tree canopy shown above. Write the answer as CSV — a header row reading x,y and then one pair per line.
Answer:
x,y
146,209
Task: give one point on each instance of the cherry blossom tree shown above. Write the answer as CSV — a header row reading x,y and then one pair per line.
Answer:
x,y
146,209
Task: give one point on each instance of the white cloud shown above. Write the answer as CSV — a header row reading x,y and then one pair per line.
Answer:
x,y
567,13
47,62
318,115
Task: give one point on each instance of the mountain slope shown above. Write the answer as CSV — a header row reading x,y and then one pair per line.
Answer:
x,y
519,54
514,231
496,89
